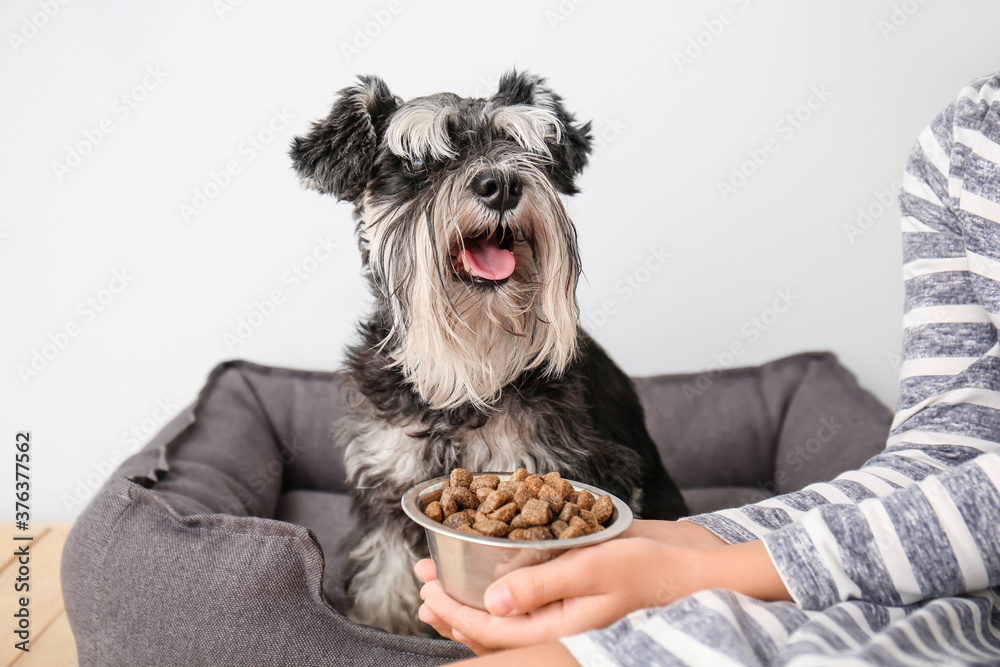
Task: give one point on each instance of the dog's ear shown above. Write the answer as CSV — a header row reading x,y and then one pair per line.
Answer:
x,y
338,155
571,151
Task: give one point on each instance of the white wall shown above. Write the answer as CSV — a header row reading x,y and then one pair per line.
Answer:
x,y
226,69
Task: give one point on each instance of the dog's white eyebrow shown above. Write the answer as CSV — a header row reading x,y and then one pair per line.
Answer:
x,y
420,130
529,126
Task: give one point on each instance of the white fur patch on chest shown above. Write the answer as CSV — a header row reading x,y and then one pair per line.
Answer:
x,y
378,453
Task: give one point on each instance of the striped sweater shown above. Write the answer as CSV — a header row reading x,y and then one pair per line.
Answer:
x,y
897,563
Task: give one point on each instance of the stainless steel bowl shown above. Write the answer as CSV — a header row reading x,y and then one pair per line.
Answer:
x,y
467,564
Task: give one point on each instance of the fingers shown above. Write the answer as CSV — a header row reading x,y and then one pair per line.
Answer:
x,y
425,570
529,588
452,619
427,615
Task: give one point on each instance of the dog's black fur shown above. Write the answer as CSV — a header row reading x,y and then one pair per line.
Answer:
x,y
560,404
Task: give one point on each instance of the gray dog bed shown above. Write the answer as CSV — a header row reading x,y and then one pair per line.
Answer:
x,y
217,543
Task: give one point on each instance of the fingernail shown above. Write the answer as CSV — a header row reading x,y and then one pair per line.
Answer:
x,y
499,601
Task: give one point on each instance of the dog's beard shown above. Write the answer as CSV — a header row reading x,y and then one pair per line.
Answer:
x,y
460,342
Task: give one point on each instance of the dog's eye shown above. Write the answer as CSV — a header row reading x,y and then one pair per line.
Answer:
x,y
416,166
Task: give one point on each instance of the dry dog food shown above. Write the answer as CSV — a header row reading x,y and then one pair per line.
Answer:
x,y
526,507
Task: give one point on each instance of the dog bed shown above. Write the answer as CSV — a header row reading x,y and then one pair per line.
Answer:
x,y
216,544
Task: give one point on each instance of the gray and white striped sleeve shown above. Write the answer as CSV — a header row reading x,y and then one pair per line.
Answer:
x,y
898,562
937,533
951,254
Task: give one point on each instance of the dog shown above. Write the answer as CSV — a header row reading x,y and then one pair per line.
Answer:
x,y
473,356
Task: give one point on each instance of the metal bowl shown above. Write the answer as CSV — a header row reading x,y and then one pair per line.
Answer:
x,y
467,564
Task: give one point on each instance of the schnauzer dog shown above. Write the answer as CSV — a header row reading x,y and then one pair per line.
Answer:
x,y
473,356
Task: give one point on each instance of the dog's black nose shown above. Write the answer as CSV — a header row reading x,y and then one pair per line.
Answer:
x,y
498,190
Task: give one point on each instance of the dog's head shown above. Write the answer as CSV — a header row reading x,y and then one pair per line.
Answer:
x,y
463,233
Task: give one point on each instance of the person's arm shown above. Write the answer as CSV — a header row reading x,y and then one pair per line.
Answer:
x,y
951,268
552,654
938,536
591,587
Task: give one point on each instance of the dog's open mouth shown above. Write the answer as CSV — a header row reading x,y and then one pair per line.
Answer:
x,y
487,258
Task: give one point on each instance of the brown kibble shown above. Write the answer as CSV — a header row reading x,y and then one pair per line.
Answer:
x,y
485,481
431,496
505,513
584,499
526,507
434,512
460,477
464,497
552,497
581,525
448,504
492,528
495,500
536,512
570,533
537,533
568,510
589,518
523,495
519,475
534,482
457,519
602,509
512,487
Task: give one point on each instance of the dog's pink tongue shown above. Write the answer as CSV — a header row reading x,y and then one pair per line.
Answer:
x,y
488,259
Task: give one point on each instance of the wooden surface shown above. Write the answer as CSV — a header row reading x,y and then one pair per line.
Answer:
x,y
51,642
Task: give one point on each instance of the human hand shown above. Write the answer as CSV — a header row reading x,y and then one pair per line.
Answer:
x,y
652,565
676,533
